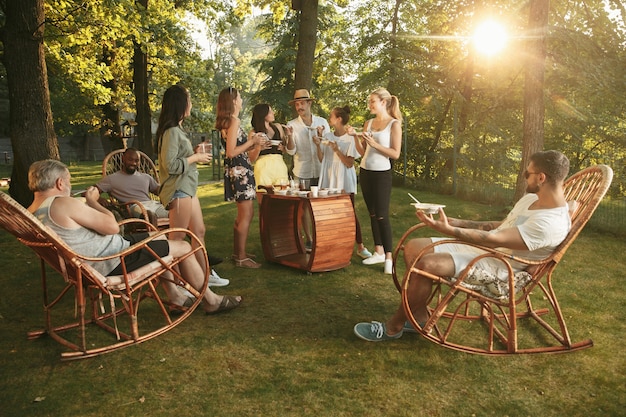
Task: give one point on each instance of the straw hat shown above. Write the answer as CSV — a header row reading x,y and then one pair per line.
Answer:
x,y
301,94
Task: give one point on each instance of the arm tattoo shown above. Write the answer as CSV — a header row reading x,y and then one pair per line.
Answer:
x,y
471,224
471,235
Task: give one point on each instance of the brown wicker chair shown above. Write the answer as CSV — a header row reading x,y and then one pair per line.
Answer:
x,y
463,318
113,163
121,295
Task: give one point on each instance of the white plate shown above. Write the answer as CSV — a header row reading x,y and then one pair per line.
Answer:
x,y
427,207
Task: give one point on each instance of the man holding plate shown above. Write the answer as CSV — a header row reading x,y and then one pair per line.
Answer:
x,y
534,228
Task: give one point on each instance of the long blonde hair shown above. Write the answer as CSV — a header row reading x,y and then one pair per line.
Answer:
x,y
393,104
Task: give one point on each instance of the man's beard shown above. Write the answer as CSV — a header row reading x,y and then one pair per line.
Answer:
x,y
531,189
130,170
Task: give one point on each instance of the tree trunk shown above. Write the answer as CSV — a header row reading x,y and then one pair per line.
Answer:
x,y
110,130
534,107
143,130
307,38
30,118
395,70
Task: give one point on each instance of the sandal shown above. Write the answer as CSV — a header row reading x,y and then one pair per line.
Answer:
x,y
229,302
246,263
177,310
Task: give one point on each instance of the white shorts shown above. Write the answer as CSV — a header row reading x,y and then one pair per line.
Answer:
x,y
462,255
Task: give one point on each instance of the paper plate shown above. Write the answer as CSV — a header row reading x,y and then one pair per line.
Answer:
x,y
427,208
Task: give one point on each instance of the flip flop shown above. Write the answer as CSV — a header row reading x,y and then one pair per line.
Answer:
x,y
229,302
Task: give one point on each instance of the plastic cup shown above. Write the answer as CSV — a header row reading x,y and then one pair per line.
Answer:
x,y
205,147
315,190
305,184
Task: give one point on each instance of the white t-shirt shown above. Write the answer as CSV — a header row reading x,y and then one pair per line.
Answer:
x,y
542,230
334,173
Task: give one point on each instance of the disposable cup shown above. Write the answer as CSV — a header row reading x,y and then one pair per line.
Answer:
x,y
205,147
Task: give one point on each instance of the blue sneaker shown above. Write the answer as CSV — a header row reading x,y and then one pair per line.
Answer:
x,y
374,332
364,253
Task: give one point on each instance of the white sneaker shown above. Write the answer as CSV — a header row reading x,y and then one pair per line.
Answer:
x,y
216,281
388,266
376,258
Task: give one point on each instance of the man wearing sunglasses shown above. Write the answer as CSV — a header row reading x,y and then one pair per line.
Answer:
x,y
533,229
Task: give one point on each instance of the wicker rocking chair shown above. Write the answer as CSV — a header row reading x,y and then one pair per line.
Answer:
x,y
470,318
121,295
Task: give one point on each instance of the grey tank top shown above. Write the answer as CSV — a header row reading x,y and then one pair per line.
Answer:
x,y
84,241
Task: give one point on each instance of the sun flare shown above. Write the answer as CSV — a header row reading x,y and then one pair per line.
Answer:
x,y
489,38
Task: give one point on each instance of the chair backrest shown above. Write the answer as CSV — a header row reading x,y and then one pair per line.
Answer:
x,y
113,163
22,224
587,188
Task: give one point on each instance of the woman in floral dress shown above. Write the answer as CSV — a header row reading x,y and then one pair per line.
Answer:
x,y
239,183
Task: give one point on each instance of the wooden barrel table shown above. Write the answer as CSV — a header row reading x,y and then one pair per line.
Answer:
x,y
332,231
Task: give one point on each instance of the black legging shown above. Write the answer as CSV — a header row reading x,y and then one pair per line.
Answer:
x,y
359,235
376,188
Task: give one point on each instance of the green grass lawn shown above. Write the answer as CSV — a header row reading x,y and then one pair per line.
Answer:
x,y
289,349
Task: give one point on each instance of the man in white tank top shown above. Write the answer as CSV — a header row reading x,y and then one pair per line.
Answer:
x,y
75,221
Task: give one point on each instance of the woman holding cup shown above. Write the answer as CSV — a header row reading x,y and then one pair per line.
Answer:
x,y
239,181
177,165
269,166
380,143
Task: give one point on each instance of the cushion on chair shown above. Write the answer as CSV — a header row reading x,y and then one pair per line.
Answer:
x,y
116,282
492,286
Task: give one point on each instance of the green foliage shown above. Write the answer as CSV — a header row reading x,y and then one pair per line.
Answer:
x,y
463,112
289,349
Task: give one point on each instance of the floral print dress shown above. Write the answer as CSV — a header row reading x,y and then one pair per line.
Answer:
x,y
239,183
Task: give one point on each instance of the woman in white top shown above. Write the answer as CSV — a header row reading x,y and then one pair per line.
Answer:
x,y
379,143
337,153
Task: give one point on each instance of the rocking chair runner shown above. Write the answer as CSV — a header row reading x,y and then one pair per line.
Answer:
x,y
456,308
113,163
122,294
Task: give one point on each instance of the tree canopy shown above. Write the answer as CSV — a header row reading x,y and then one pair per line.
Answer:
x,y
463,112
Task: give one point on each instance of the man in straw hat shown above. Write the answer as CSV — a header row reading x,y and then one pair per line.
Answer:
x,y
306,165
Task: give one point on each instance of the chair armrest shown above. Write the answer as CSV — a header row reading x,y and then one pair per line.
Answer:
x,y
142,222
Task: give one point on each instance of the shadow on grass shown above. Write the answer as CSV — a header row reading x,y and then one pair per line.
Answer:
x,y
289,349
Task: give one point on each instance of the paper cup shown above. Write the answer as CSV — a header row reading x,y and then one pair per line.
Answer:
x,y
315,190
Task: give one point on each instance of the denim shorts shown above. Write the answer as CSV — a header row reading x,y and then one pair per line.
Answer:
x,y
179,194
